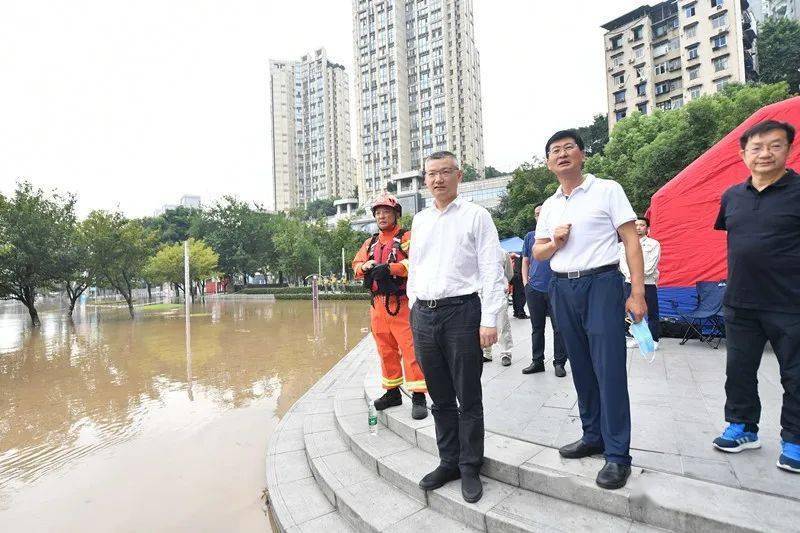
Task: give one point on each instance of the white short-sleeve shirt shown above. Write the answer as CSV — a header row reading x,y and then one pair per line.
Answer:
x,y
596,208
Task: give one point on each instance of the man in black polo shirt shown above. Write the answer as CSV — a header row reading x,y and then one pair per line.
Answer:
x,y
762,301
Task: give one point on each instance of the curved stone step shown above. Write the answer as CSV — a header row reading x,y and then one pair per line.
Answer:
x,y
354,486
295,500
651,498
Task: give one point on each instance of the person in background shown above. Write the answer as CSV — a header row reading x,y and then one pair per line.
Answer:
x,y
651,249
577,231
762,299
518,287
536,277
505,342
453,257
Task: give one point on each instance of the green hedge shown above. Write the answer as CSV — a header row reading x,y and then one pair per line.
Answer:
x,y
324,296
302,290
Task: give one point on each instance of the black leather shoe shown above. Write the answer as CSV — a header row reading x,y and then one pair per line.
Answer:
x,y
439,477
560,372
471,487
578,450
534,368
613,476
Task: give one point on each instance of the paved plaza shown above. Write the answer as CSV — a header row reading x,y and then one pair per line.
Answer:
x,y
676,409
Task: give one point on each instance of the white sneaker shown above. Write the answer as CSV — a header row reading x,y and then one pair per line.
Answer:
x,y
631,343
655,345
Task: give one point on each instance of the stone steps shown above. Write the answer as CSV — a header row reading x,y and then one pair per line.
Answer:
x,y
650,499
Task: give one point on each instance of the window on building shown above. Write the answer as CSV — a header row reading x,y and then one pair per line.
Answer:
x,y
674,64
689,11
619,79
720,63
677,102
716,3
642,108
691,31
641,89
619,97
638,33
719,41
694,92
660,49
616,42
692,51
640,71
617,60
663,87
638,53
721,83
619,115
719,21
694,72
661,68
664,106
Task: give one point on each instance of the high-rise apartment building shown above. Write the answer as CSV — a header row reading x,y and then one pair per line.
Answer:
x,y
664,55
418,90
311,157
782,8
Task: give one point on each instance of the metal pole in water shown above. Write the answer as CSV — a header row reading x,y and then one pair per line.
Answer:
x,y
187,312
344,272
314,292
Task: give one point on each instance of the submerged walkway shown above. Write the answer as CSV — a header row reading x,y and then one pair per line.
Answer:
x,y
325,470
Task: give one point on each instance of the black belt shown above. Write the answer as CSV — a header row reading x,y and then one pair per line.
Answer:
x,y
575,274
452,300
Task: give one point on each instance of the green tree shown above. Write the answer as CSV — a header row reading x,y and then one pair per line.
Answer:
x,y
470,174
167,264
491,172
595,135
37,229
241,235
331,241
78,273
646,151
175,225
531,185
119,249
779,52
295,247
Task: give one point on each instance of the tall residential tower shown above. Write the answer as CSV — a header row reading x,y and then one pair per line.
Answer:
x,y
664,55
418,88
310,131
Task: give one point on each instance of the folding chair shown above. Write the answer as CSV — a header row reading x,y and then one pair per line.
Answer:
x,y
707,316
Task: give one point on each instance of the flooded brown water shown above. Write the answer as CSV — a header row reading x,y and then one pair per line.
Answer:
x,y
107,424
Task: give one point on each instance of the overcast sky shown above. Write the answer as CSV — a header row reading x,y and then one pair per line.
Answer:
x,y
132,104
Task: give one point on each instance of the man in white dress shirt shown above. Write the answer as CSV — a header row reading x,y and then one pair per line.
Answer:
x,y
453,257
577,231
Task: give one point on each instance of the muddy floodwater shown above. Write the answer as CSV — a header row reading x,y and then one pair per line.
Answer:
x,y
108,424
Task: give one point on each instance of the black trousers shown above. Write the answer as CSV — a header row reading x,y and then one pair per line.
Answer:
x,y
653,315
518,296
539,308
447,346
747,332
590,313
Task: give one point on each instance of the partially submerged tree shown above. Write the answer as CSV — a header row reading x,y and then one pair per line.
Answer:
x,y
36,227
167,265
78,272
119,250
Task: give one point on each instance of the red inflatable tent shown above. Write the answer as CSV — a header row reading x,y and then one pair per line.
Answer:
x,y
682,212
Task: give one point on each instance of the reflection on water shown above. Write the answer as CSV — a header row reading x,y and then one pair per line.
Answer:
x,y
72,388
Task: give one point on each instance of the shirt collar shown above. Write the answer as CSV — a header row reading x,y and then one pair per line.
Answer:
x,y
455,204
783,181
588,179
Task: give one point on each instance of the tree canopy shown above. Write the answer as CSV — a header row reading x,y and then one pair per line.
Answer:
x,y
779,52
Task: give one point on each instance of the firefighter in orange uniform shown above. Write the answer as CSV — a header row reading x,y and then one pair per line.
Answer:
x,y
382,262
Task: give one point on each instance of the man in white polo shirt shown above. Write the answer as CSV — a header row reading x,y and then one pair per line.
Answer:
x,y
453,257
577,232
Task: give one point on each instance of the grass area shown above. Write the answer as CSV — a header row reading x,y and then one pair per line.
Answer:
x,y
162,307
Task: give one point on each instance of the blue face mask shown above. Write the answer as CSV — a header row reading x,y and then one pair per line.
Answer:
x,y
641,332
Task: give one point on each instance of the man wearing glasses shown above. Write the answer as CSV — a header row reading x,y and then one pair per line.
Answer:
x,y
453,257
577,231
762,300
